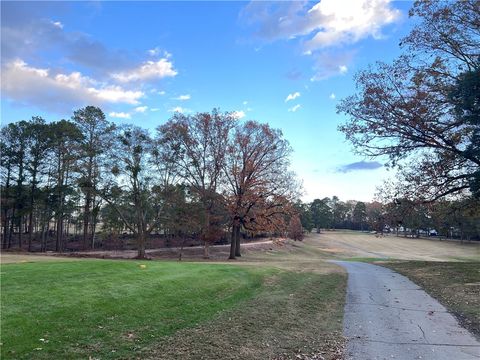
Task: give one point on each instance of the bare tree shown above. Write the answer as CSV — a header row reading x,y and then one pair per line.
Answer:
x,y
407,110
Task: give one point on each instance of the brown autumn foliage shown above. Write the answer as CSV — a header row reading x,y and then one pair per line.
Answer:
x,y
259,186
197,146
295,229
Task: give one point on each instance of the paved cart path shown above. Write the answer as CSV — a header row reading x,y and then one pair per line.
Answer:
x,y
389,317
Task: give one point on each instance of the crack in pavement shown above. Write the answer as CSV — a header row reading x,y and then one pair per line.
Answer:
x,y
423,332
399,308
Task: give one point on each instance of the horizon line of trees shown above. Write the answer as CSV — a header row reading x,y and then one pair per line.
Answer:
x,y
457,219
198,176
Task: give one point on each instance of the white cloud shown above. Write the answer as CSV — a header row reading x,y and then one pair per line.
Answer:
x,y
245,102
349,21
154,109
343,69
292,96
238,114
325,24
332,96
295,108
120,115
57,24
154,51
178,109
141,109
182,97
26,84
149,70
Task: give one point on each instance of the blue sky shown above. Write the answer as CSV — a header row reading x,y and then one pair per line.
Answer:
x,y
286,63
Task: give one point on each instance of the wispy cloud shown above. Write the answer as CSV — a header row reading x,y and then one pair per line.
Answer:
x,y
332,96
57,24
238,114
295,108
141,109
358,166
182,97
331,63
154,51
178,109
120,115
292,96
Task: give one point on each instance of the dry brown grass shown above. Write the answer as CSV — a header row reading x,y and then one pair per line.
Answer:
x,y
355,244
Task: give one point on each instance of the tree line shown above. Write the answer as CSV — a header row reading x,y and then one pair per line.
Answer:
x,y
197,176
403,217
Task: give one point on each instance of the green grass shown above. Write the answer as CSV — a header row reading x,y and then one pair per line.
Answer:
x,y
111,309
455,284
295,315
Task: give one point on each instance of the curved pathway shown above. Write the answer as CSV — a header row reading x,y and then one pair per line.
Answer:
x,y
389,317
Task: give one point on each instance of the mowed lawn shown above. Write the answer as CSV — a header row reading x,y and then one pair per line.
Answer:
x,y
111,309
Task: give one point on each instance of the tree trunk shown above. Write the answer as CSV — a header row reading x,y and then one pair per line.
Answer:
x,y
181,249
141,245
5,230
59,242
5,210
237,241
30,230
11,229
86,220
20,230
206,252
233,243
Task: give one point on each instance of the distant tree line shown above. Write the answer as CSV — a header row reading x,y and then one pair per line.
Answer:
x,y
403,217
200,176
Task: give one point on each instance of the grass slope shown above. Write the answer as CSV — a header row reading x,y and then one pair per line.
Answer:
x,y
111,309
295,316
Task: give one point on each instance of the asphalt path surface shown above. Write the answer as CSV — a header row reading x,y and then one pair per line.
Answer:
x,y
389,317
